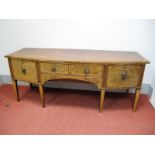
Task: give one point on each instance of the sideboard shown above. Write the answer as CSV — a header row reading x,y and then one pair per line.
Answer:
x,y
105,69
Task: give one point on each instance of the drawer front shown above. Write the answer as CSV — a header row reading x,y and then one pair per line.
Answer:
x,y
123,76
54,68
86,69
45,77
24,70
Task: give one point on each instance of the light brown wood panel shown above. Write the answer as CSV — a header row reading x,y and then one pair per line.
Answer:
x,y
54,68
24,70
120,76
86,69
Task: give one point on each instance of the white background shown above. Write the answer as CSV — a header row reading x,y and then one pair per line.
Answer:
x,y
127,35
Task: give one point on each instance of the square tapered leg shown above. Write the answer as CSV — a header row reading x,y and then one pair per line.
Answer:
x,y
137,94
42,95
15,87
102,99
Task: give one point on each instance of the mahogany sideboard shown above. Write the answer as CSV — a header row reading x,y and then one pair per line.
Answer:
x,y
105,69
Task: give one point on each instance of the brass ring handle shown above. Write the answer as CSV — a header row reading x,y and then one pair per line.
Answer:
x,y
53,69
124,75
86,71
23,70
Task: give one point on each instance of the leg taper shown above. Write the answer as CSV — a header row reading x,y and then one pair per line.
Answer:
x,y
137,94
31,86
15,87
42,96
127,91
102,99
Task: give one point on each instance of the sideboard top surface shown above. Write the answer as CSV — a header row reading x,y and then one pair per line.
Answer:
x,y
78,55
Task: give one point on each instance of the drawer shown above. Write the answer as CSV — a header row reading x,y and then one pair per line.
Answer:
x,y
45,77
86,69
24,70
54,68
123,76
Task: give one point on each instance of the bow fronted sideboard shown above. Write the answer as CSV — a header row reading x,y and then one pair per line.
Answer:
x,y
105,69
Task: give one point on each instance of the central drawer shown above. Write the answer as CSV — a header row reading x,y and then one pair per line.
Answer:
x,y
54,68
86,69
46,77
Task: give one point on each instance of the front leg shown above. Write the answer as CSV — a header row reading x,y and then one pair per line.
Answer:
x,y
15,87
127,91
42,96
31,86
137,94
102,99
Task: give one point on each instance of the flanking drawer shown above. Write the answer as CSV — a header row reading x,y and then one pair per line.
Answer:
x,y
121,76
86,69
54,68
24,70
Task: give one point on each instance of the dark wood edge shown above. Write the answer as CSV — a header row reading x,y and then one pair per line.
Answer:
x,y
38,72
141,76
105,76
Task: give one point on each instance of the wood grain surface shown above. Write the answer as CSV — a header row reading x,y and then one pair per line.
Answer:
x,y
78,55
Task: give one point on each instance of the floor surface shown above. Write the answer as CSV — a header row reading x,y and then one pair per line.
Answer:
x,y
73,112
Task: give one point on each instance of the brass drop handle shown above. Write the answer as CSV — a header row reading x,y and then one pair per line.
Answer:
x,y
53,69
23,70
86,71
124,75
